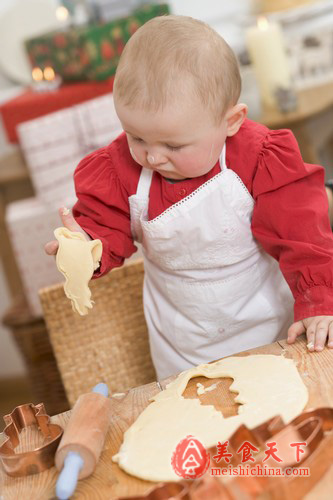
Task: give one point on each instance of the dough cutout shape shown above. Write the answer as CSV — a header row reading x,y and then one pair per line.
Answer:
x,y
77,259
268,385
201,389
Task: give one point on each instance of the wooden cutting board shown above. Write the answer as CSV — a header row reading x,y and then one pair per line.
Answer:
x,y
109,481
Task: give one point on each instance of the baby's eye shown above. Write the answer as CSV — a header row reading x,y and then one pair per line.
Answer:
x,y
137,139
173,148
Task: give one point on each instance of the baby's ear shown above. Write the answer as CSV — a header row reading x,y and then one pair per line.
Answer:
x,y
235,118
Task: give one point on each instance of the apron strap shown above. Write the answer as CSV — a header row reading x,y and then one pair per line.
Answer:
x,y
144,183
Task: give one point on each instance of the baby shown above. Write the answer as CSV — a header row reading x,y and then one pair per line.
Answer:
x,y
233,224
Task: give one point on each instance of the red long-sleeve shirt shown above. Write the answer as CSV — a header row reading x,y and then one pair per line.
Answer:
x,y
290,216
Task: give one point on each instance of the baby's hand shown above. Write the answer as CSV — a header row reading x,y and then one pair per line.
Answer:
x,y
68,221
317,328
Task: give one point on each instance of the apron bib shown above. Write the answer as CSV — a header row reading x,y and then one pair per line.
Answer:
x,y
209,290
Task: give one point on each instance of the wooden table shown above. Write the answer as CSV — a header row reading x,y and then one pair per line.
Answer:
x,y
109,481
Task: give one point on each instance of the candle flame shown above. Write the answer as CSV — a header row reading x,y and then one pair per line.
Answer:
x,y
62,13
37,74
262,23
49,73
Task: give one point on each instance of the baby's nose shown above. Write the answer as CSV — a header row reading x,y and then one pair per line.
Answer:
x,y
155,158
150,159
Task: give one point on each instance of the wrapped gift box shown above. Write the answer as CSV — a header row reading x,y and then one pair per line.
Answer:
x,y
89,52
30,225
98,123
54,144
31,104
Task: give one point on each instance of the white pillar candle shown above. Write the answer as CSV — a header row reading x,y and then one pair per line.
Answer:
x,y
267,52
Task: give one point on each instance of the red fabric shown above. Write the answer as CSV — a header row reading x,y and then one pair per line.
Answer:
x,y
30,104
290,216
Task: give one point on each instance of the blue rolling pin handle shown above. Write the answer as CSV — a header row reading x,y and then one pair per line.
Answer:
x,y
102,389
68,477
73,462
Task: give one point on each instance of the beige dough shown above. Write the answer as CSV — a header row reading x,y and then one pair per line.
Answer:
x,y
268,385
201,389
77,259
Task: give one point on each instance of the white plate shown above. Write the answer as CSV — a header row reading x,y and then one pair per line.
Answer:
x,y
22,20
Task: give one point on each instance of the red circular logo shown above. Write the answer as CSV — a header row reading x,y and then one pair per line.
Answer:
x,y
190,459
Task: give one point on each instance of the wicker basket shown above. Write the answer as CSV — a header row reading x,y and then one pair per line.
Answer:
x,y
30,335
109,344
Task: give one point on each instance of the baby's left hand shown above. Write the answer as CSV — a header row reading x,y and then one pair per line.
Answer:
x,y
317,328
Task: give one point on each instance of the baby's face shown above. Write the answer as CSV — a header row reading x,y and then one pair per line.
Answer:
x,y
179,142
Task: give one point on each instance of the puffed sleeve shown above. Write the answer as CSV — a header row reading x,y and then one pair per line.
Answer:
x,y
102,209
290,220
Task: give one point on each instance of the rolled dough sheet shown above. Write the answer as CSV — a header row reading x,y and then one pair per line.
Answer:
x,y
77,259
268,385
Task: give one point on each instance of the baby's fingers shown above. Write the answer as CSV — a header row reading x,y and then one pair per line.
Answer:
x,y
321,332
51,247
69,221
330,336
294,331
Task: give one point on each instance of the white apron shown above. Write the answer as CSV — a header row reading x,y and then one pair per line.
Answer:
x,y
209,290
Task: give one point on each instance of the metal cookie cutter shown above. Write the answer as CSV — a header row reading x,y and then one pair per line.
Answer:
x,y
35,461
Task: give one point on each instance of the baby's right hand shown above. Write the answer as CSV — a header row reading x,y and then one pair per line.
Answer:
x,y
68,221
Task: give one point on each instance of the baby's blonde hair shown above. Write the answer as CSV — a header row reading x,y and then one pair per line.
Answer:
x,y
172,56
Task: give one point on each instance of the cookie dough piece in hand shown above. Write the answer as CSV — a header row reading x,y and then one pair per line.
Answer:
x,y
77,259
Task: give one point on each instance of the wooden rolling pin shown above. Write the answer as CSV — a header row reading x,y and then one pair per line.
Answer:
x,y
83,439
